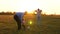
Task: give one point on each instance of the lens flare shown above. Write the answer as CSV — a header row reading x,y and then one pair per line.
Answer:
x,y
30,22
35,12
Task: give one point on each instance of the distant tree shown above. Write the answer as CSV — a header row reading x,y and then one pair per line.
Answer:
x,y
2,11
14,12
25,12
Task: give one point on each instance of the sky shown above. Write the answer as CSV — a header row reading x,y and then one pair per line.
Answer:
x,y
47,6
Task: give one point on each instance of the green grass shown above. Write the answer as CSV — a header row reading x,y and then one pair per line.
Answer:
x,y
47,25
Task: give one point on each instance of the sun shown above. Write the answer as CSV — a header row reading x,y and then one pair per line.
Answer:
x,y
28,5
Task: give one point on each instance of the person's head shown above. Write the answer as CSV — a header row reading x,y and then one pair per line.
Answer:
x,y
38,9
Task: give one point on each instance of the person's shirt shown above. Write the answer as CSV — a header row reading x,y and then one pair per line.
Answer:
x,y
38,12
20,15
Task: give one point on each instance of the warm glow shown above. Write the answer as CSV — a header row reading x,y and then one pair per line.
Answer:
x,y
35,12
47,6
30,12
30,22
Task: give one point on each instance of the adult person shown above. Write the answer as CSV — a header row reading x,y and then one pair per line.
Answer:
x,y
19,19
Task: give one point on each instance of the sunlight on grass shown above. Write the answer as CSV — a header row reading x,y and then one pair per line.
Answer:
x,y
48,25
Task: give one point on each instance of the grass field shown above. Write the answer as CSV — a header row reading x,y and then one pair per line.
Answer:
x,y
47,25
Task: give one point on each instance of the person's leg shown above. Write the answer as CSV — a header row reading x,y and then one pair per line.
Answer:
x,y
18,21
38,18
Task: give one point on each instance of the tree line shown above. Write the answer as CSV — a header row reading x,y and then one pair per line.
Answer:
x,y
7,13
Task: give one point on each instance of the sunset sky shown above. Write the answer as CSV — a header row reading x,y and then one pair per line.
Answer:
x,y
47,6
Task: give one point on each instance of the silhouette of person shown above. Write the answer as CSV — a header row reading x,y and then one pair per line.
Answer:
x,y
19,19
38,14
